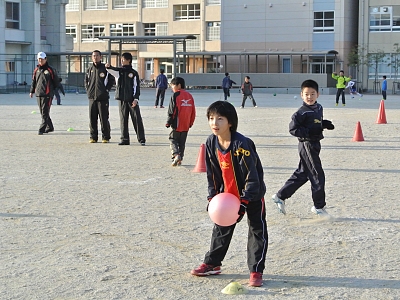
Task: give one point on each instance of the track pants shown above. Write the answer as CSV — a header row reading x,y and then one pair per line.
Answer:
x,y
257,240
44,104
251,98
177,141
310,168
99,109
126,110
338,93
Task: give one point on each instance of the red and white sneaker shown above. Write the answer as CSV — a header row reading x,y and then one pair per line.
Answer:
x,y
205,270
256,279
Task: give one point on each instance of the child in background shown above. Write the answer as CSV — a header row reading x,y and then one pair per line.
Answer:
x,y
247,91
384,87
307,125
233,166
181,115
340,85
351,85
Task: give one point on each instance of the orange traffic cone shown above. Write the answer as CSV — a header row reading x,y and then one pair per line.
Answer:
x,y
358,135
381,115
201,160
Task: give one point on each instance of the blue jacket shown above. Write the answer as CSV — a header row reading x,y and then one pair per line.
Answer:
x,y
384,85
161,81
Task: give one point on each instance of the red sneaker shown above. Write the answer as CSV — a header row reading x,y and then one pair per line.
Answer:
x,y
205,270
256,279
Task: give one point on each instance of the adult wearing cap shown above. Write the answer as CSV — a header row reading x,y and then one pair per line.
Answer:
x,y
98,83
44,81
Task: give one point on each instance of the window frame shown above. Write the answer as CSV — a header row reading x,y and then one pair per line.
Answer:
x,y
125,5
187,12
12,20
130,29
324,28
213,32
69,27
95,36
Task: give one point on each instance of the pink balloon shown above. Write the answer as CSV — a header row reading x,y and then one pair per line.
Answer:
x,y
223,209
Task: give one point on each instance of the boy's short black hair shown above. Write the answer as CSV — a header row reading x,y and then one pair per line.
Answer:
x,y
127,56
226,74
224,109
309,83
97,51
384,76
178,80
248,77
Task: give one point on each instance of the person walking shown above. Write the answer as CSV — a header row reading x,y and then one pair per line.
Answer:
x,y
44,82
98,83
161,87
57,91
181,116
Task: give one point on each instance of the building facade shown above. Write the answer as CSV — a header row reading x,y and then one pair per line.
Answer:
x,y
27,27
379,43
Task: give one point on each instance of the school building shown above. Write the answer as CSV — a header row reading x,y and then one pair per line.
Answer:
x,y
263,38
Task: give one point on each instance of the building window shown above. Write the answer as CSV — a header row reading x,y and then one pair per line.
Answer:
x,y
213,2
71,30
92,32
10,66
191,45
149,29
187,12
96,4
384,18
155,3
12,15
73,5
324,21
125,4
122,29
213,31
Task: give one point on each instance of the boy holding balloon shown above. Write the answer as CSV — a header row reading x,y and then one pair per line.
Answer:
x,y
233,166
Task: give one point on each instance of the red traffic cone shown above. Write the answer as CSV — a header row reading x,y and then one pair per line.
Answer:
x,y
381,115
201,160
358,135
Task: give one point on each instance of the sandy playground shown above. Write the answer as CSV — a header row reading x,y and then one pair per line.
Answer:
x,y
102,221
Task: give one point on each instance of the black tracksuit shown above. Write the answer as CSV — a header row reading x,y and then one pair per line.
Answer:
x,y
306,125
127,90
247,177
98,83
44,81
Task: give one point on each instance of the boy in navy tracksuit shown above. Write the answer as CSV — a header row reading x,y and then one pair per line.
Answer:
x,y
233,166
307,125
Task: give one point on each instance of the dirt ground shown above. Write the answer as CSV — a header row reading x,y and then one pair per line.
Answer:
x,y
102,221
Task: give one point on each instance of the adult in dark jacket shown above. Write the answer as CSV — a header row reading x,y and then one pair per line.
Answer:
x,y
44,81
161,86
128,92
98,83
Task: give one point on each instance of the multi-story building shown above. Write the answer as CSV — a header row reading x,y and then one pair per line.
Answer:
x,y
379,43
27,27
285,36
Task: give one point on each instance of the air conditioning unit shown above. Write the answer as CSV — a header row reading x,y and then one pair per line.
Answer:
x,y
384,9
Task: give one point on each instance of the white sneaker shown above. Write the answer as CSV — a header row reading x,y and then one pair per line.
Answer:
x,y
280,204
320,212
176,161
